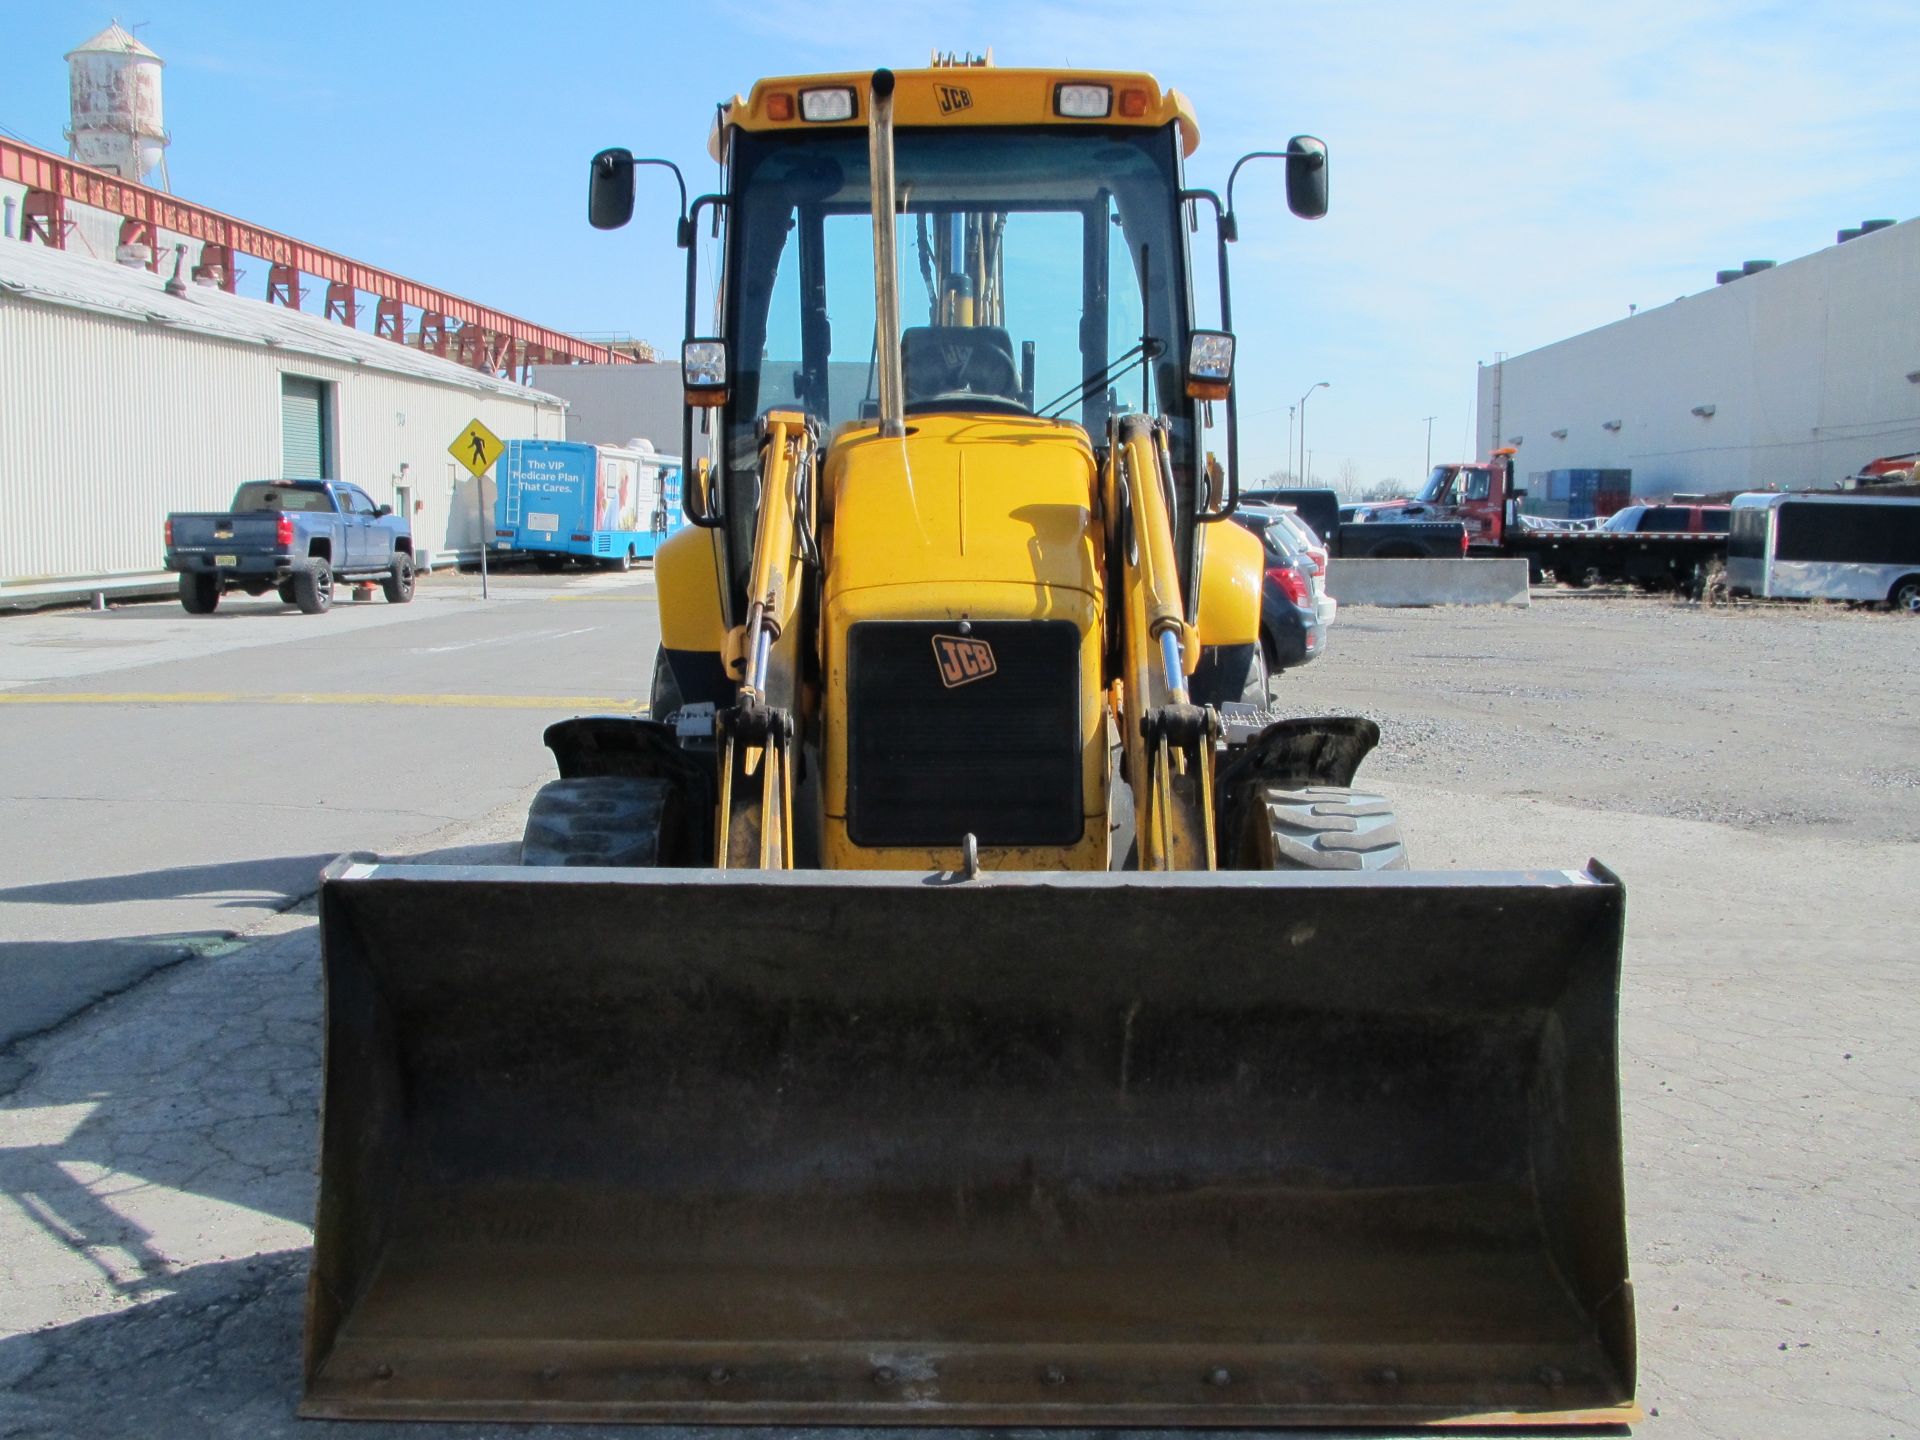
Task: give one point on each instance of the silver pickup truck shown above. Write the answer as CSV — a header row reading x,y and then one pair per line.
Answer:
x,y
293,536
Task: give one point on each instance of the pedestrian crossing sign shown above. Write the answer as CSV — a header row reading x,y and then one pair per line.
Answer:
x,y
477,448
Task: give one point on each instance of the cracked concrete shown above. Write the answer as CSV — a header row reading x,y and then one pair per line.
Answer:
x,y
156,1167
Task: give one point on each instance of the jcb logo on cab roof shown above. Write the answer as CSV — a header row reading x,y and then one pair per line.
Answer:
x,y
953,98
962,659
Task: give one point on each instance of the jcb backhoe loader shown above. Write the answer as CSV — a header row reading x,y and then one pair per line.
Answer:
x,y
962,1000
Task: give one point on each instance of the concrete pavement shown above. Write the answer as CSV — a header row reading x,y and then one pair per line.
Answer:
x,y
172,780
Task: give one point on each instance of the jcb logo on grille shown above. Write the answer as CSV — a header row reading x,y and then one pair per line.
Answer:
x,y
953,98
962,659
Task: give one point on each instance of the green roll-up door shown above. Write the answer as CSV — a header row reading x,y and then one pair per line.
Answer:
x,y
303,428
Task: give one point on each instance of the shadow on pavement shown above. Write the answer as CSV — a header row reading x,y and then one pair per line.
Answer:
x,y
288,876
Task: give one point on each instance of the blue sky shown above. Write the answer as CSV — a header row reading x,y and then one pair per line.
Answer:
x,y
1504,174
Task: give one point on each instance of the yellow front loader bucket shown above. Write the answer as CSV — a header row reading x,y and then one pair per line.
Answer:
x,y
1093,1150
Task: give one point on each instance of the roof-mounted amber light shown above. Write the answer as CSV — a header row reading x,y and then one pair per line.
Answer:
x,y
779,106
1133,103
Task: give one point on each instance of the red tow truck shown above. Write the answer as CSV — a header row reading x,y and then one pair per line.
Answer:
x,y
1486,500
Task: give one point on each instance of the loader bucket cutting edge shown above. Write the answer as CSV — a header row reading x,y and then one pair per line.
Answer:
x,y
829,1147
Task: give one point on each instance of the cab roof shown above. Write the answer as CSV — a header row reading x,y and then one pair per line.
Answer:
x,y
956,95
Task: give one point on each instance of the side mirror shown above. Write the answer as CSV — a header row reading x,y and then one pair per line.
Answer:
x,y
1210,365
610,190
1307,177
703,373
382,512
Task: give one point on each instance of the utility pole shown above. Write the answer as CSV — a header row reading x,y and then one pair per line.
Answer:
x,y
1317,385
1429,467
1290,410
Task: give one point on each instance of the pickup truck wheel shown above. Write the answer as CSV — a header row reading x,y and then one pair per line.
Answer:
x,y
313,587
199,592
1906,596
285,591
398,582
1320,827
605,820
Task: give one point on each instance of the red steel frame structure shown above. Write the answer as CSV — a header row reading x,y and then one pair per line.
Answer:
x,y
458,329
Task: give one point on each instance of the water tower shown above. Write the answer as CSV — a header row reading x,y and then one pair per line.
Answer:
x,y
116,106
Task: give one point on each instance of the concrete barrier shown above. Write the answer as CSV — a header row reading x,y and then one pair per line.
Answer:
x,y
1428,582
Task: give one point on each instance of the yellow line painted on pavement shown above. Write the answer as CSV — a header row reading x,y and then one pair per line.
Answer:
x,y
430,702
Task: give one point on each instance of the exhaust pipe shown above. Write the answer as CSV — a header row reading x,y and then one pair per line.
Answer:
x,y
886,269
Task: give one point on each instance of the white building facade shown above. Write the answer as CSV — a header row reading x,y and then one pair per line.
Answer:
x,y
120,402
1786,378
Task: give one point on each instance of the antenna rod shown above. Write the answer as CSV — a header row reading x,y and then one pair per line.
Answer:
x,y
886,268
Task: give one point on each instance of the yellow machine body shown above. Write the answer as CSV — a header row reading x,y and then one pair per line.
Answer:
x,y
972,1043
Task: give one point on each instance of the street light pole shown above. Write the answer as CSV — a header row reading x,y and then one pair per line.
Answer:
x,y
1290,410
1429,470
1317,385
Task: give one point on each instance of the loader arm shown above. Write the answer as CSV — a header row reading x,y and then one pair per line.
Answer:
x,y
1167,739
759,734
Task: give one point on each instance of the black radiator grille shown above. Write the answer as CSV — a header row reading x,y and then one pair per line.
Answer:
x,y
946,737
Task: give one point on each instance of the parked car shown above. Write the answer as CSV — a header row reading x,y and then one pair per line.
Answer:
x,y
1306,539
1291,632
1320,508
293,536
1644,519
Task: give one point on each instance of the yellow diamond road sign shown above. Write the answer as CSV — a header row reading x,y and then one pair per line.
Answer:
x,y
477,448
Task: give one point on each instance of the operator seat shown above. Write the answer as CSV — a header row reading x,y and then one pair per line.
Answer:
x,y
946,364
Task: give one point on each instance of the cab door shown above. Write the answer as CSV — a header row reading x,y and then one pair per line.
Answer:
x,y
364,540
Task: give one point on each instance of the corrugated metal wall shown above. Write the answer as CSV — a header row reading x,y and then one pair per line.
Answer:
x,y
106,425
1805,367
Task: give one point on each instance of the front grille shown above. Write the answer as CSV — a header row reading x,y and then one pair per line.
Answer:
x,y
996,752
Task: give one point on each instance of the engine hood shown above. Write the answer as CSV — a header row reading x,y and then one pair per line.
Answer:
x,y
963,499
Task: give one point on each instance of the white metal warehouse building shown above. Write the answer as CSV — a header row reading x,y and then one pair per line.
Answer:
x,y
120,402
1786,378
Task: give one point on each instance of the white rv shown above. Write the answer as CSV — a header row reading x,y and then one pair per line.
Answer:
x,y
1826,547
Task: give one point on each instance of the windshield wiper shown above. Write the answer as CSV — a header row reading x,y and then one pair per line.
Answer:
x,y
1148,349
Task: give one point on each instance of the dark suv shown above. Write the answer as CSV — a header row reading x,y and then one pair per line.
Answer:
x,y
1290,630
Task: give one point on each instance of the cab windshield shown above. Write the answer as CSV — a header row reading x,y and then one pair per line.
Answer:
x,y
1435,490
1041,273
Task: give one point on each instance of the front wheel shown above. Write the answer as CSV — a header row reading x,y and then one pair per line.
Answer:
x,y
1320,827
199,592
313,587
614,820
1906,596
398,582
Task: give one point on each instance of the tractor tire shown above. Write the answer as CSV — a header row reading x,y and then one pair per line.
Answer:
x,y
397,584
199,592
313,587
1905,597
1321,827
605,820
